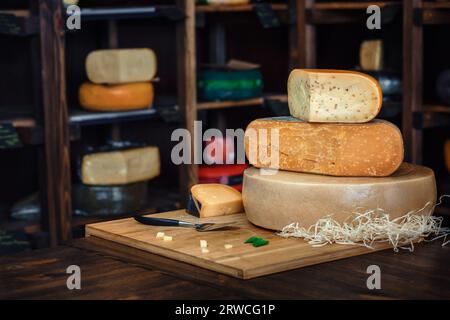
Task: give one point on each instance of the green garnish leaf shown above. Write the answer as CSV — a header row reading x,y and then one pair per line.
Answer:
x,y
251,239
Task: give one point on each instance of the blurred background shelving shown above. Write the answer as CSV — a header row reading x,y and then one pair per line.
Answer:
x,y
278,36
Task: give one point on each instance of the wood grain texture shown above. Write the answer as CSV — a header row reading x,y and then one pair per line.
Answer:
x,y
229,104
305,34
128,273
42,275
412,81
242,261
56,126
187,86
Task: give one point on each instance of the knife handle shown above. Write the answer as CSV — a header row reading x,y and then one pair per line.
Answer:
x,y
157,221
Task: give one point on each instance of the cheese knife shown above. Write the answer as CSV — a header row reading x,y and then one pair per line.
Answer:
x,y
201,227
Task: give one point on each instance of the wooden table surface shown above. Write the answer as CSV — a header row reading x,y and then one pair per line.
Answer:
x,y
424,274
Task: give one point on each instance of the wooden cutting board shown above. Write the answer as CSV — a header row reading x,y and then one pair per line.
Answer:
x,y
242,261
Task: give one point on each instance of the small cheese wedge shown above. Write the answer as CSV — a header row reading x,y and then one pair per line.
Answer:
x,y
337,149
123,97
120,167
121,65
275,201
333,96
216,199
371,55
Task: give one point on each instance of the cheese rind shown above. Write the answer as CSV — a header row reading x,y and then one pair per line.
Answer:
x,y
123,97
368,149
217,199
121,167
121,65
371,55
333,96
275,201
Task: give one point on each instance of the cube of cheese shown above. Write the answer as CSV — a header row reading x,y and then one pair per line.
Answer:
x,y
114,66
204,250
371,55
333,96
167,238
160,235
203,244
216,199
121,167
228,246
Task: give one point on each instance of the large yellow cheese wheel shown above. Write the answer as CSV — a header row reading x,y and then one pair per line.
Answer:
x,y
274,201
333,96
338,149
121,65
121,97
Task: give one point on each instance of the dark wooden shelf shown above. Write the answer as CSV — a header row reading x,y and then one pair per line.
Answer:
x,y
171,13
355,5
83,117
18,22
436,13
236,8
349,12
436,5
229,104
432,116
160,199
27,226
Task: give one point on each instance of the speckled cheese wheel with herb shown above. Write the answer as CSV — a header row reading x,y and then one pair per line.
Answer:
x,y
333,96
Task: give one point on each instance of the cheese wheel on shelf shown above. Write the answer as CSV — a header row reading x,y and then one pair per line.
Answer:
x,y
338,149
120,167
121,65
275,201
333,96
121,97
371,55
216,199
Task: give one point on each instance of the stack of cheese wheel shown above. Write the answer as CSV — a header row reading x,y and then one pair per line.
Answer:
x,y
119,80
331,157
115,182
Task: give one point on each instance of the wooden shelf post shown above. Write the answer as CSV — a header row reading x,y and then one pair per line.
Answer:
x,y
303,40
57,197
412,81
187,93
